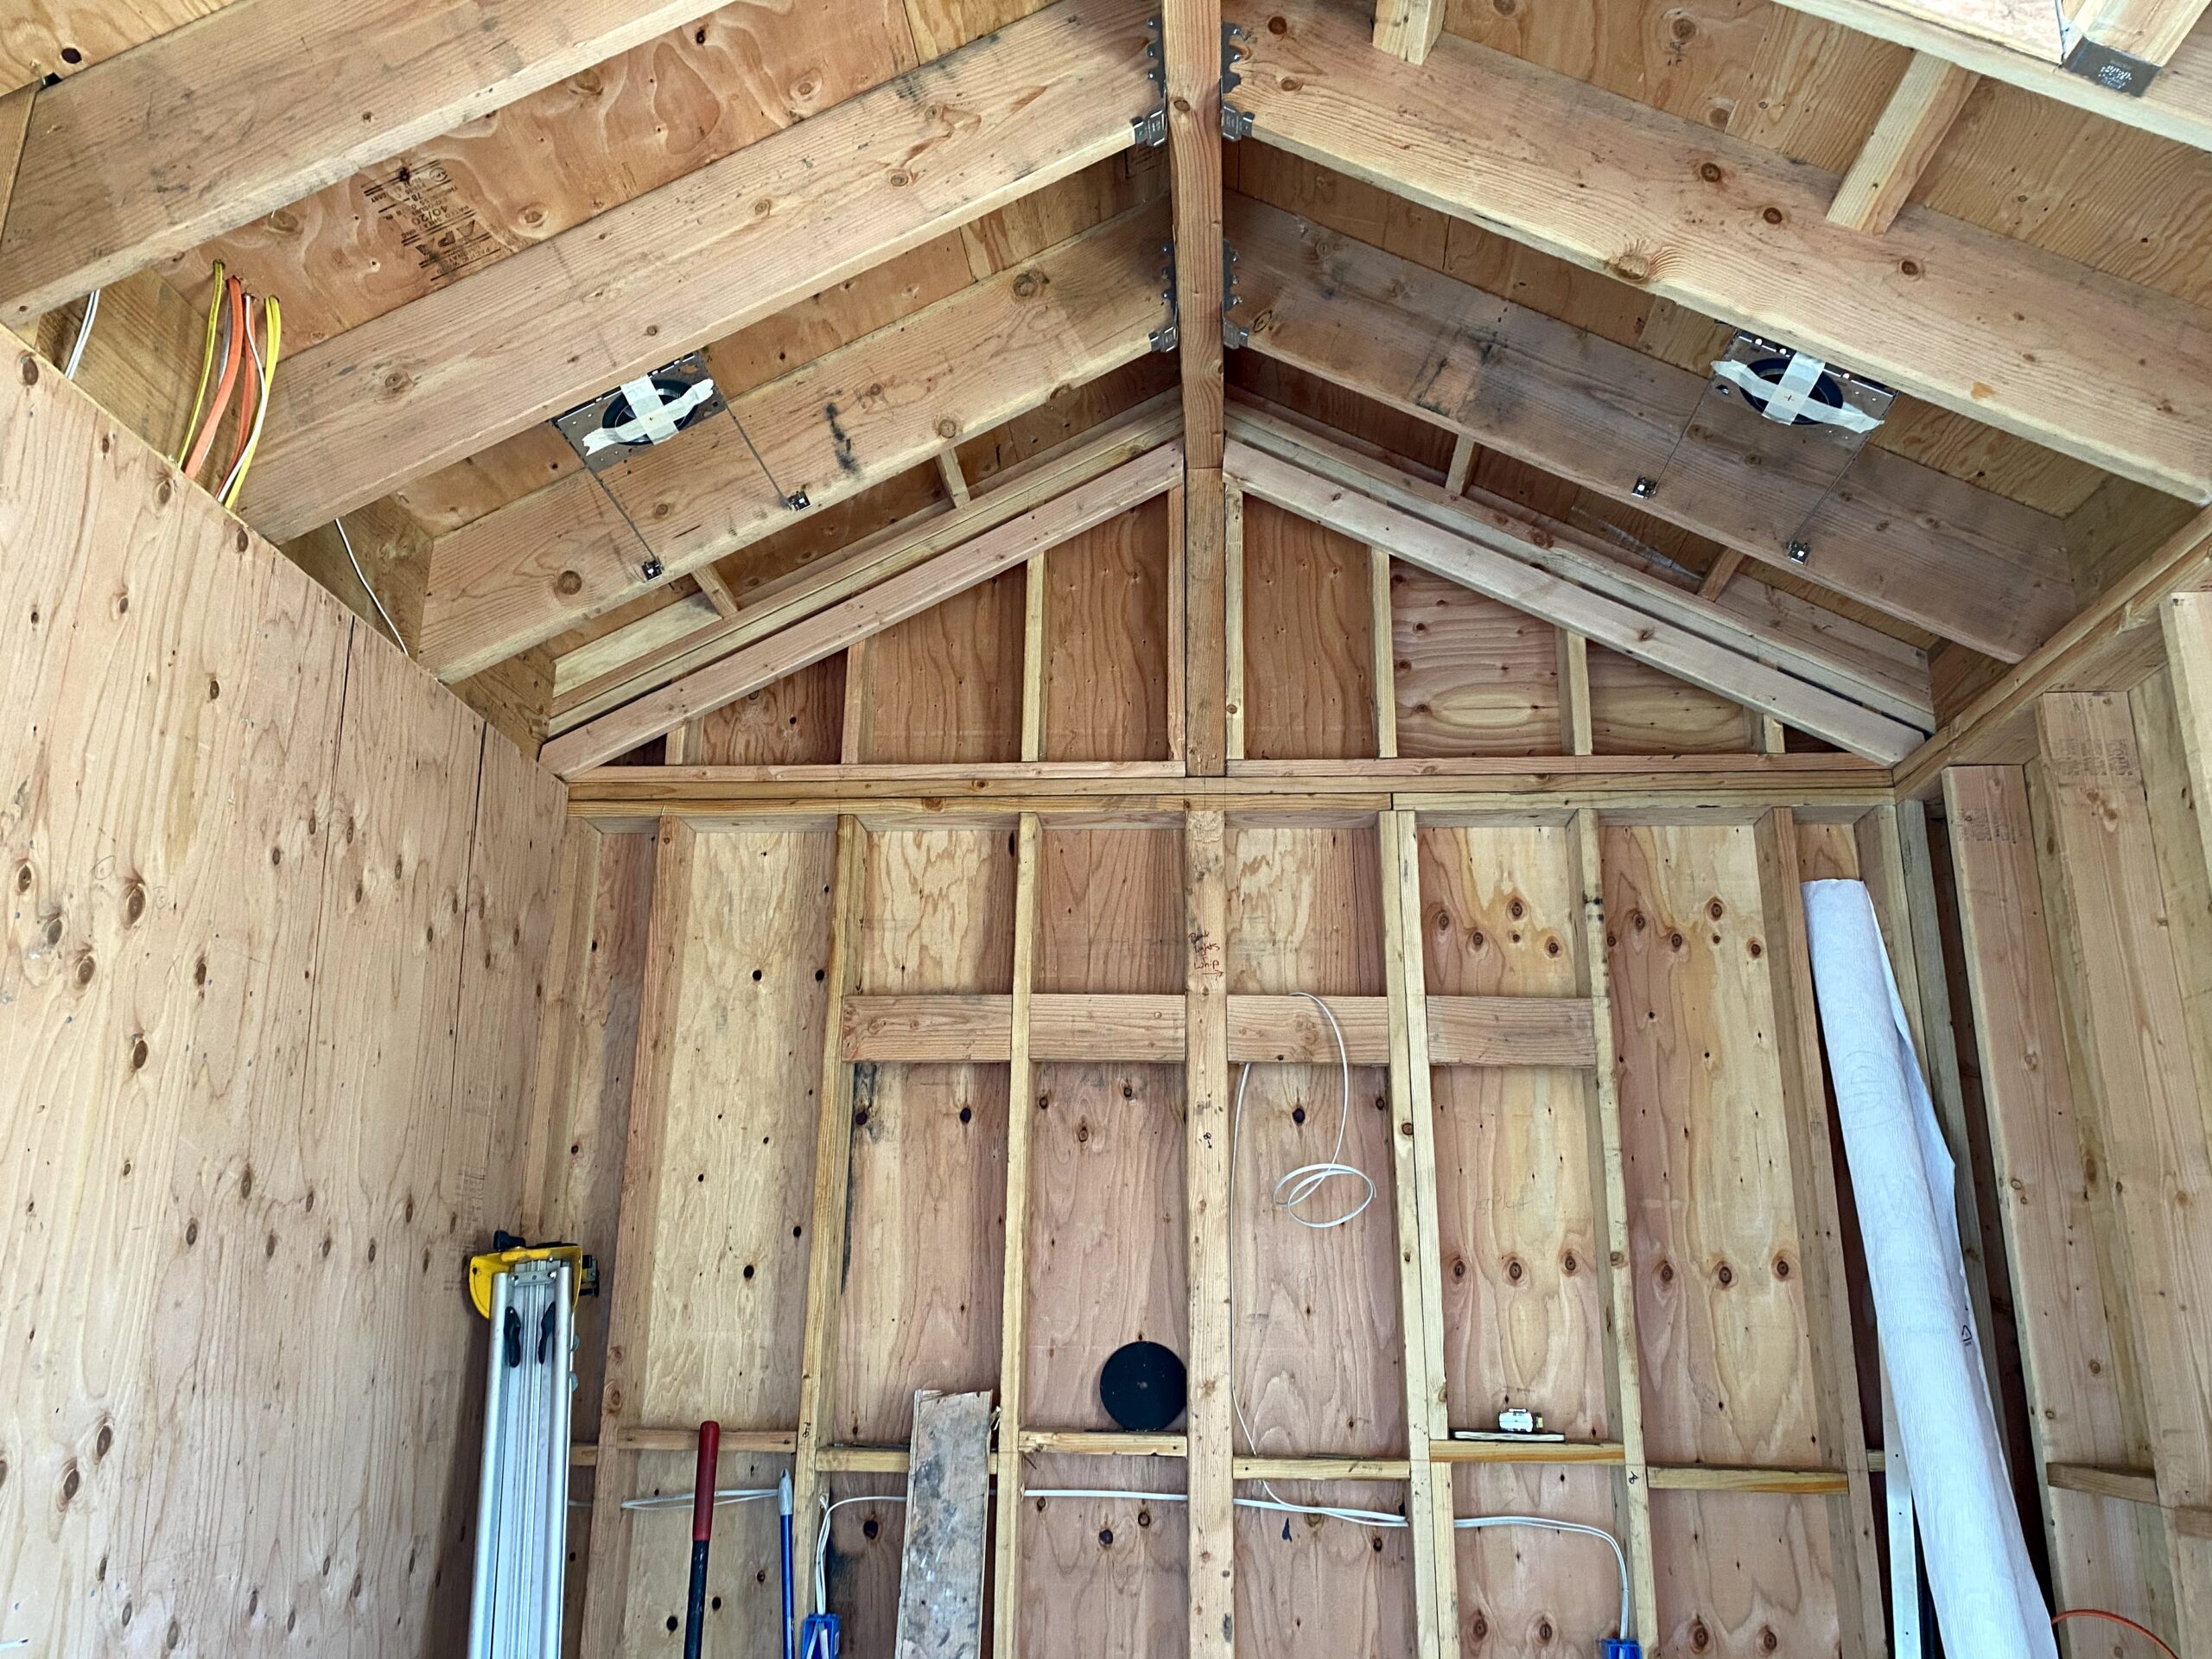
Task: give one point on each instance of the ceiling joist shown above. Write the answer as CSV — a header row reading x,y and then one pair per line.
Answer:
x,y
444,376
1910,541
861,414
828,631
205,128
2114,373
1485,561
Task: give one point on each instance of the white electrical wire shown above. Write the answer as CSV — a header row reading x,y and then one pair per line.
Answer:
x,y
1476,1523
347,542
83,334
724,1496
260,414
821,1540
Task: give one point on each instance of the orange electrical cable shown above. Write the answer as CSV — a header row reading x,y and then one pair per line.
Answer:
x,y
2098,1612
233,353
249,389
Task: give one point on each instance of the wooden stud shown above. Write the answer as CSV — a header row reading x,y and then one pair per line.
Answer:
x,y
1190,44
1232,602
568,958
1035,642
830,1222
2109,394
630,1294
1574,729
1383,648
1715,580
2186,622
1409,29
1206,625
1624,1380
1833,1383
1462,462
1905,138
1207,1209
1178,631
1420,1251
1013,1340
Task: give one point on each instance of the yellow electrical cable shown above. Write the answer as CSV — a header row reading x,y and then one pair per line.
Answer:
x,y
207,366
272,327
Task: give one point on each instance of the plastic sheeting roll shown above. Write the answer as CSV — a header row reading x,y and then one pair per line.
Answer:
x,y
1988,1603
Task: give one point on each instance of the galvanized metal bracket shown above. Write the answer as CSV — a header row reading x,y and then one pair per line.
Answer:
x,y
1151,128
1235,336
1169,334
2114,70
1236,124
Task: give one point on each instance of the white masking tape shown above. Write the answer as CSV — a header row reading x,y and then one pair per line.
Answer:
x,y
651,420
1791,398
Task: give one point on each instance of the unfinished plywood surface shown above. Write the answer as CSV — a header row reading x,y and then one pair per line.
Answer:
x,y
1105,1230
799,720
867,1538
1524,1589
1319,1357
1111,1573
1105,670
1523,1307
1637,709
729,1254
1473,677
1110,911
945,685
1744,1573
1329,1589
1720,1312
1309,673
244,941
744,1568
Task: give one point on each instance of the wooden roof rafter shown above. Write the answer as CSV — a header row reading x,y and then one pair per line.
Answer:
x,y
865,412
2006,334
1963,562
740,239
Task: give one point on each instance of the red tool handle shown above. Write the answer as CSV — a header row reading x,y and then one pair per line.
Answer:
x,y
703,1483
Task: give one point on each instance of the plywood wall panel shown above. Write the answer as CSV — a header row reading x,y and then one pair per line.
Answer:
x,y
799,720
946,685
1106,640
1109,1577
1473,677
1637,709
744,1569
1105,1231
1309,672
257,874
1110,911
1523,1590
1524,1308
1714,1236
1319,1359
1330,1588
1744,1574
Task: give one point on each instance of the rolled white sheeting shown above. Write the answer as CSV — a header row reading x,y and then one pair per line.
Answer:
x,y
1988,1603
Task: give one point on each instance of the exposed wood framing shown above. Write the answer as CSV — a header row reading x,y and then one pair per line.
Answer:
x,y
2177,104
1191,43
2108,645
861,414
146,155
1408,28
1208,1215
634,660
444,376
1736,230
828,631
1833,1383
1207,621
1854,662
1961,562
1483,560
1904,140
2152,31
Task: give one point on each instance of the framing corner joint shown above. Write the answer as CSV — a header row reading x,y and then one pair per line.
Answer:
x,y
1235,336
1236,124
1169,334
2114,70
1150,129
